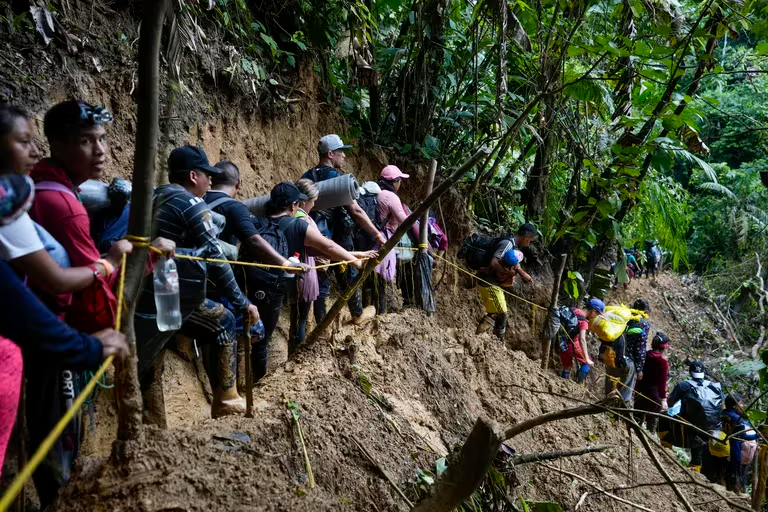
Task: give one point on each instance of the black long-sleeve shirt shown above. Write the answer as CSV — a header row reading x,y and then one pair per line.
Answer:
x,y
186,220
39,333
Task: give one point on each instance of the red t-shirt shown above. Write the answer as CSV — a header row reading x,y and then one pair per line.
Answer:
x,y
66,219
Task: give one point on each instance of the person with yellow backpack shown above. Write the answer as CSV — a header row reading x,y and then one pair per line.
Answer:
x,y
619,366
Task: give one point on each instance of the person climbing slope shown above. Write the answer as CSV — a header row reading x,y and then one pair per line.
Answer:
x,y
573,342
338,223
497,263
652,388
637,337
735,424
701,402
619,367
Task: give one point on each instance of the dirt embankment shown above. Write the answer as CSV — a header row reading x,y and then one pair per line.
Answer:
x,y
435,374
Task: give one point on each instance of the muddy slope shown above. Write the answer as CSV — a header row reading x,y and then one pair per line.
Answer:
x,y
437,376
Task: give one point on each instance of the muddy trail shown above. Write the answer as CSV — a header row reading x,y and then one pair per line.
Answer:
x,y
431,378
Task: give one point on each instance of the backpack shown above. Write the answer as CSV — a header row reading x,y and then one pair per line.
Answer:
x,y
93,308
363,240
270,230
702,404
477,250
333,223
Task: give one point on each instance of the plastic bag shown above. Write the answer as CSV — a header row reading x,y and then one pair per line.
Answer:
x,y
608,326
721,447
626,313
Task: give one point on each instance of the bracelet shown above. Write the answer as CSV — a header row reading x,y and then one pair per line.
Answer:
x,y
95,271
108,267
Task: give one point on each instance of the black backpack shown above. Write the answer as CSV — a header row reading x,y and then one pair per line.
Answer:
x,y
702,404
477,250
569,320
363,240
270,230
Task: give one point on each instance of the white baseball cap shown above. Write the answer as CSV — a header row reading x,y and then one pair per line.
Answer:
x,y
331,142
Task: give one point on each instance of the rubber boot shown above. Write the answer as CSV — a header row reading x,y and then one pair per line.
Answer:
x,y
153,412
369,313
226,400
500,325
582,375
485,325
565,374
696,469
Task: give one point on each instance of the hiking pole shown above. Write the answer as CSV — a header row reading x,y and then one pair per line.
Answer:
x,y
248,371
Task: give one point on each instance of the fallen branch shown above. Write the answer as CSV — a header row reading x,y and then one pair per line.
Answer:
x,y
676,316
467,468
596,487
293,408
527,458
375,463
661,469
728,328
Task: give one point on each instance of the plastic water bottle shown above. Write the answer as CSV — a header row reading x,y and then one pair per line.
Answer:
x,y
294,261
166,281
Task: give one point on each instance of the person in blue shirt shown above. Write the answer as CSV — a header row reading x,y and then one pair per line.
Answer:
x,y
735,424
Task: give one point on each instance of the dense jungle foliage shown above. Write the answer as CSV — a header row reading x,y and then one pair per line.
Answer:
x,y
609,120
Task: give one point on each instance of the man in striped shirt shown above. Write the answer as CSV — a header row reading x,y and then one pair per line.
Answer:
x,y
182,216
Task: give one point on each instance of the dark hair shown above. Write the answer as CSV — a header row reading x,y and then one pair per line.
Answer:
x,y
178,177
386,184
732,400
527,230
68,119
642,305
8,116
229,177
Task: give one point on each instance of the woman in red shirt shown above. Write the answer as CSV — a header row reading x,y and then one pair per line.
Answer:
x,y
651,391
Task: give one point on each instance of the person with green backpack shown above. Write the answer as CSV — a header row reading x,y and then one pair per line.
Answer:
x,y
496,261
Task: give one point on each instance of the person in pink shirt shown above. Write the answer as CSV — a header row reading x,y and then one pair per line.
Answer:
x,y
392,213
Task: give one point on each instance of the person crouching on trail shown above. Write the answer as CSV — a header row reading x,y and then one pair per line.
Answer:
x,y
501,273
652,388
573,342
619,367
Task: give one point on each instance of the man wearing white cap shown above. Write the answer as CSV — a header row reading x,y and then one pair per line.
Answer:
x,y
338,223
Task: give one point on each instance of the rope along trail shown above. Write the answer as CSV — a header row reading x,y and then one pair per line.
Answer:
x,y
26,473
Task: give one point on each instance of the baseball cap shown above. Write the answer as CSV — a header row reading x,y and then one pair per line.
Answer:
x,y
392,172
661,340
331,142
16,194
597,305
286,193
697,370
187,158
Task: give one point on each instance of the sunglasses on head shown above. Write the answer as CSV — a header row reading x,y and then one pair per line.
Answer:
x,y
95,114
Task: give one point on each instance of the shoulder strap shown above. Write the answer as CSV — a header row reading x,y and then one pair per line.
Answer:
x,y
56,187
284,221
220,201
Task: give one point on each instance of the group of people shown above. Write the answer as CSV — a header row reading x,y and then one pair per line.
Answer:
x,y
633,263
714,427
60,263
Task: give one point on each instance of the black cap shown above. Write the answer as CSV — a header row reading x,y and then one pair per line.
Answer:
x,y
697,370
286,193
187,158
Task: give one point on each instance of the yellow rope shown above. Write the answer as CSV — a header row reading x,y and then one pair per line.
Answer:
x,y
26,473
138,241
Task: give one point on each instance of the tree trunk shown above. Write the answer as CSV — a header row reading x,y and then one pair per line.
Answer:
x,y
140,221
